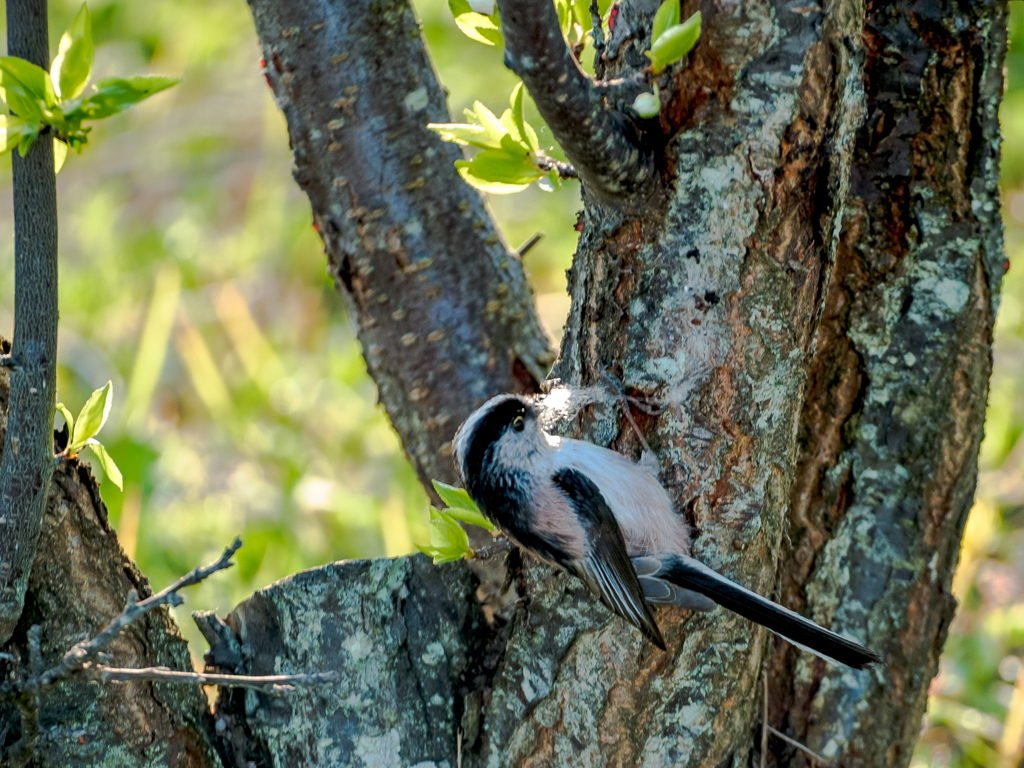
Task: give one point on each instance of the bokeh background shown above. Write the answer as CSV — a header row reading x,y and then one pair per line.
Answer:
x,y
192,278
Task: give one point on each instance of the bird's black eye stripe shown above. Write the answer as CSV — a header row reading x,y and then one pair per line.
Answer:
x,y
487,431
518,424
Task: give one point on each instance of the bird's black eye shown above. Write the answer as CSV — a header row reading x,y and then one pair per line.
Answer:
x,y
518,424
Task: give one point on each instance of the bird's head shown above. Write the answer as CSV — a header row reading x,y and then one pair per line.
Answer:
x,y
501,436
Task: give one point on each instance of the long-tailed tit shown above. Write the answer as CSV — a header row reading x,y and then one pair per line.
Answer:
x,y
610,522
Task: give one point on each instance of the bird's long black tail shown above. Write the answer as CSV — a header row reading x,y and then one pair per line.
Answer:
x,y
689,574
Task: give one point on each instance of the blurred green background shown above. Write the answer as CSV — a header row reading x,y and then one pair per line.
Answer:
x,y
192,277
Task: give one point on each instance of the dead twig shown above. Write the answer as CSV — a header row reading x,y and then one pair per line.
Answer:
x,y
264,683
87,650
87,662
815,757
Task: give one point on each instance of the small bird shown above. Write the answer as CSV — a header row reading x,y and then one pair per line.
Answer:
x,y
608,521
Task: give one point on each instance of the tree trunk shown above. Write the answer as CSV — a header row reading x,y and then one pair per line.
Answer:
x,y
807,283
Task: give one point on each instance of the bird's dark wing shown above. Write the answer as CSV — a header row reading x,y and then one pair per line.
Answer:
x,y
606,567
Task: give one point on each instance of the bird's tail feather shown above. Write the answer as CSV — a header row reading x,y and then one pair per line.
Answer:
x,y
689,574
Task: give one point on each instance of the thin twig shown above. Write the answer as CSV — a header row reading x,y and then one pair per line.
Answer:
x,y
264,683
25,467
642,405
818,759
626,401
21,752
636,429
83,652
500,545
523,249
764,720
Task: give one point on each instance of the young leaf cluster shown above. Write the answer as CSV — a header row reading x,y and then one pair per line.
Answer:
x,y
670,40
510,157
448,540
83,431
478,20
56,101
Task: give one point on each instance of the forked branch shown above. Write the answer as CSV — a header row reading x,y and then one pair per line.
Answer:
x,y
601,142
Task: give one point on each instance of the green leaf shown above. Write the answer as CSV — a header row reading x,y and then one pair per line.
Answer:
x,y
491,124
498,171
674,43
453,496
526,135
26,88
67,417
60,154
448,539
564,9
667,16
92,417
460,505
512,140
465,134
551,182
115,94
109,467
483,29
469,516
581,14
505,166
73,64
27,140
468,175
12,130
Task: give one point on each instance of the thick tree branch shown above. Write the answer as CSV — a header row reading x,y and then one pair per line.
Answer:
x,y
443,309
27,462
601,142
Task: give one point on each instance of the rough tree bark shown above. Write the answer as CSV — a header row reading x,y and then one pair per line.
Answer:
x,y
808,285
28,451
